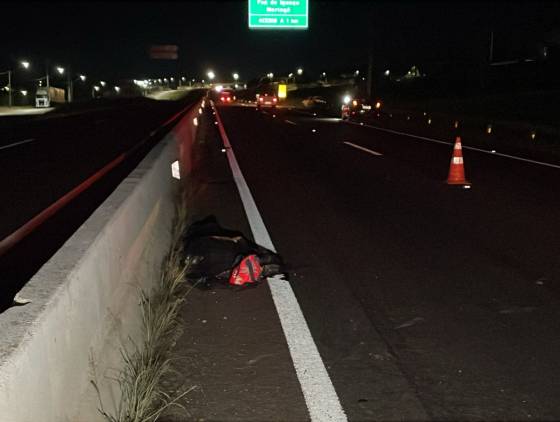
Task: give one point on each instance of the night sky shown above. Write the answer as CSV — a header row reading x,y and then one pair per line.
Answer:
x,y
109,40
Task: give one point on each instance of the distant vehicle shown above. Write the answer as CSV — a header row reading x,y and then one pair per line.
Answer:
x,y
45,97
359,106
266,99
314,102
227,96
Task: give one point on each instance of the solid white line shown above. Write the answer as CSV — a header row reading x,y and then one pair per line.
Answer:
x,y
17,143
372,152
318,391
290,122
513,157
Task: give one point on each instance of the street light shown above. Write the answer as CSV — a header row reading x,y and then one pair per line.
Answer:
x,y
117,89
387,72
300,71
211,75
103,83
25,65
83,77
60,70
235,76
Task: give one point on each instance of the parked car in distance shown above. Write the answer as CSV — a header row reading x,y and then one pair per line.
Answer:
x,y
314,102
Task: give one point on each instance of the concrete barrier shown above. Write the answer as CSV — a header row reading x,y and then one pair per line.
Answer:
x,y
82,305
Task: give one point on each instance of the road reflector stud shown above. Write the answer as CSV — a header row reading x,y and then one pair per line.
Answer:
x,y
313,130
456,167
533,135
175,172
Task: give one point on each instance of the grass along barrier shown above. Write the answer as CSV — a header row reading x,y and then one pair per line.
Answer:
x,y
143,399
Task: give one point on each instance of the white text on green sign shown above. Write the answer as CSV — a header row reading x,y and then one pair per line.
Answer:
x,y
280,14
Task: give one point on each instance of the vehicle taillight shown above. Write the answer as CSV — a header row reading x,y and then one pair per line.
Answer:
x,y
261,99
222,98
275,99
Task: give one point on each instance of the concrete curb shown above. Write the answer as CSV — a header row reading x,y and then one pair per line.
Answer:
x,y
82,305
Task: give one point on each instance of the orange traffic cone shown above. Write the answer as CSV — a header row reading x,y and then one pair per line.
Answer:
x,y
456,168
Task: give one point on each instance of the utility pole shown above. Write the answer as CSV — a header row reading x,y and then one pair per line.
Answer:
x,y
70,86
48,83
10,88
491,52
369,81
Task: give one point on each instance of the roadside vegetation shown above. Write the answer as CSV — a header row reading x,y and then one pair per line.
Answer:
x,y
143,398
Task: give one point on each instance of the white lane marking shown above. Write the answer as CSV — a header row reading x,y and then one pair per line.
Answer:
x,y
290,122
318,391
370,151
493,152
26,141
264,112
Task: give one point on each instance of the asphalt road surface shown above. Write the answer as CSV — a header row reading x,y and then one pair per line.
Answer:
x,y
43,158
426,301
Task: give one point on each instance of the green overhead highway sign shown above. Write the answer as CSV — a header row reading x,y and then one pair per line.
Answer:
x,y
278,14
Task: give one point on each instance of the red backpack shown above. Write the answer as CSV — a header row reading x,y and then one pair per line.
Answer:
x,y
248,271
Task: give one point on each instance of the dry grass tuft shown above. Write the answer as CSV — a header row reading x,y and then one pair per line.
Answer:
x,y
143,399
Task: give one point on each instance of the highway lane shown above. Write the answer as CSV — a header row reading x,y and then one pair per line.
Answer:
x,y
42,159
425,300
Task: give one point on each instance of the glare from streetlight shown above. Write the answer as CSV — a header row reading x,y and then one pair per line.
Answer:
x,y
387,72
357,72
236,76
346,99
183,79
300,71
96,88
290,75
324,74
171,79
25,64
23,92
211,75
83,77
103,83
117,88
60,70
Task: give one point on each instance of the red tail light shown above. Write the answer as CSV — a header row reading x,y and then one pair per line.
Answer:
x,y
261,99
275,99
222,98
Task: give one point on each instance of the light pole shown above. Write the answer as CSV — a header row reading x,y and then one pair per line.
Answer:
x,y
25,65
